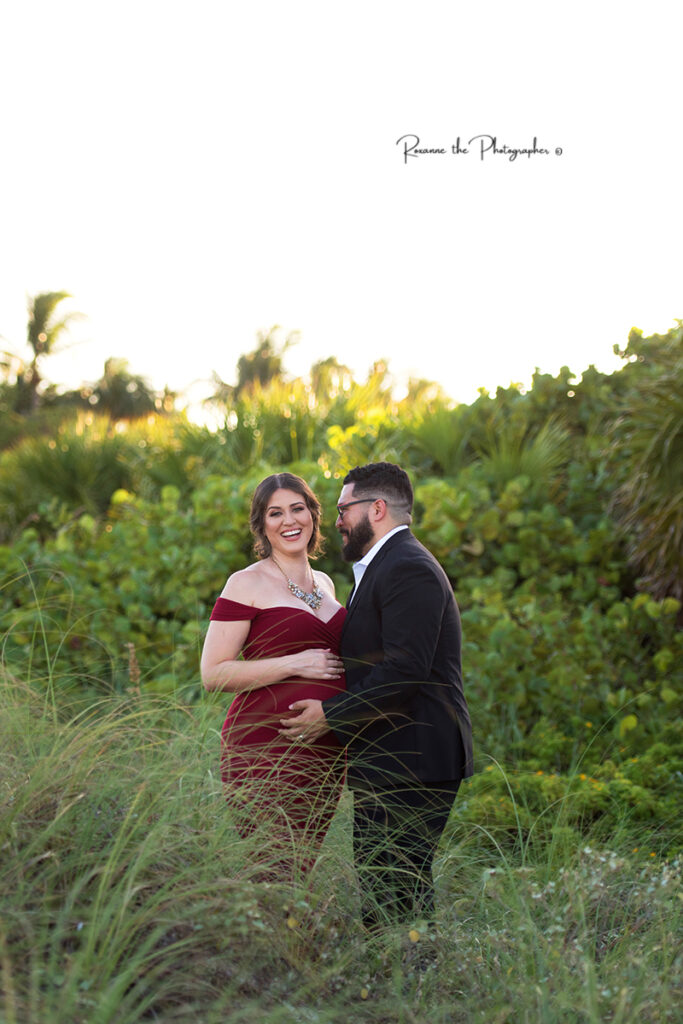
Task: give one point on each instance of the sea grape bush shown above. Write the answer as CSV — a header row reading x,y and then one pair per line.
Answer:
x,y
562,669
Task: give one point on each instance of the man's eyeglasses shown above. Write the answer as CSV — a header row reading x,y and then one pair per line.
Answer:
x,y
341,509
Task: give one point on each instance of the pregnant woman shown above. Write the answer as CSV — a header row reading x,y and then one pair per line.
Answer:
x,y
282,617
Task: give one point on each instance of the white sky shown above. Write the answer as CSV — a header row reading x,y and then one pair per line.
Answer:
x,y
195,172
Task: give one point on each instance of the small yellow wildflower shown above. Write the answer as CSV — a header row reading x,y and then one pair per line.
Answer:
x,y
653,854
635,849
364,993
589,725
539,772
292,922
583,777
414,935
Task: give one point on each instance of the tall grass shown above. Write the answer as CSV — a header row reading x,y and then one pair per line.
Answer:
x,y
127,895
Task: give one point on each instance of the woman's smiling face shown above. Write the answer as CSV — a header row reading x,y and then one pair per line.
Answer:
x,y
288,523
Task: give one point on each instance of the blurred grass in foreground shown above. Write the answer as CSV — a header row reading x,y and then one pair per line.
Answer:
x,y
127,896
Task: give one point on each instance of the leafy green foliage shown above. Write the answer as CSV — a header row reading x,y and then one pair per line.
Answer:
x,y
648,502
44,481
128,894
118,542
538,458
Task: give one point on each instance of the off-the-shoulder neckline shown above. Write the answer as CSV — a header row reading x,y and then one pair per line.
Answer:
x,y
287,607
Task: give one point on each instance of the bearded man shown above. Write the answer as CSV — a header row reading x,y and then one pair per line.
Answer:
x,y
403,717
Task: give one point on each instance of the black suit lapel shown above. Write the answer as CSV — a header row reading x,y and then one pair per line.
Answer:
x,y
358,593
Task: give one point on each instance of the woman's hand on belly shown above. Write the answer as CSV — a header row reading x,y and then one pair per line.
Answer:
x,y
316,664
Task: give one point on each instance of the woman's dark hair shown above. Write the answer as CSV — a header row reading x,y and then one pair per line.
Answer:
x,y
259,504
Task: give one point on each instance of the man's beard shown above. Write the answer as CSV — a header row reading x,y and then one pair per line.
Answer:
x,y
359,539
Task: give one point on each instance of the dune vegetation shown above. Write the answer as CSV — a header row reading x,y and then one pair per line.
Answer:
x,y
126,893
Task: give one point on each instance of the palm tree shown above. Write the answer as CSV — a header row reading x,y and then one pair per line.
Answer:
x,y
265,363
329,379
123,395
45,328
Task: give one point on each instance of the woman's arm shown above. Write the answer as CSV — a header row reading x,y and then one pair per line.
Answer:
x,y
221,668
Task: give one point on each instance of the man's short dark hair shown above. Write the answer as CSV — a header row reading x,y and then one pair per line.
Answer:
x,y
384,480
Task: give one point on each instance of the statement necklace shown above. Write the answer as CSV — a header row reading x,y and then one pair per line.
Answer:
x,y
313,600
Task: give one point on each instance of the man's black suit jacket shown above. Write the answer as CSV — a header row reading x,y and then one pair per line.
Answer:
x,y
404,713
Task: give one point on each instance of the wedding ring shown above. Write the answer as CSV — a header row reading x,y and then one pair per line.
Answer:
x,y
300,736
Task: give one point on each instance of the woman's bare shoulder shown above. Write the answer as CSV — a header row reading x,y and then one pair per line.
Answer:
x,y
244,585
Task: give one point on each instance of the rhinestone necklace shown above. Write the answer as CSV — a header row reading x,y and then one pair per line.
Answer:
x,y
313,600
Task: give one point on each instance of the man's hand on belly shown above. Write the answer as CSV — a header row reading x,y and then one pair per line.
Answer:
x,y
308,724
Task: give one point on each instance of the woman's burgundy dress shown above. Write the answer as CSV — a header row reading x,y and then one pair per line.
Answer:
x,y
290,788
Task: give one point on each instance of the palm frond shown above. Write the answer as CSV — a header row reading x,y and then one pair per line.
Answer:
x,y
648,504
512,452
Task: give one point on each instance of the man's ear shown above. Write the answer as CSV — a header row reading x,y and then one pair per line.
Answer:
x,y
380,510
